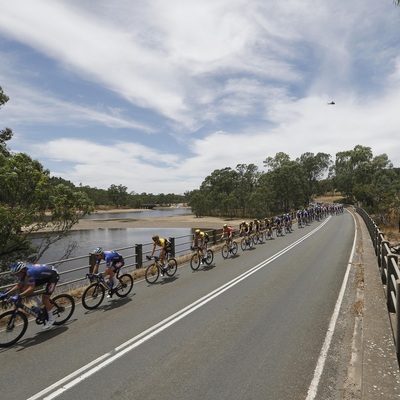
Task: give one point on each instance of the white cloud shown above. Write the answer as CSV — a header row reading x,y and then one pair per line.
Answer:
x,y
226,81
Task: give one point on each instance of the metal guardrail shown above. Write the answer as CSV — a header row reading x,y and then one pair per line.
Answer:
x,y
390,274
74,270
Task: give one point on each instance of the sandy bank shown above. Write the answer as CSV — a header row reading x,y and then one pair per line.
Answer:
x,y
178,221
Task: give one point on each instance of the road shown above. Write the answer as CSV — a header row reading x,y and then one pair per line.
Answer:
x,y
249,327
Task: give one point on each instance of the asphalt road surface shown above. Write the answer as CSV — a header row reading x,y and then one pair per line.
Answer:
x,y
261,325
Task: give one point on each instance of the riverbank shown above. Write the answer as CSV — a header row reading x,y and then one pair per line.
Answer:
x,y
177,221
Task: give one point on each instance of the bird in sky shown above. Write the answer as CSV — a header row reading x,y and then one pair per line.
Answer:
x,y
331,103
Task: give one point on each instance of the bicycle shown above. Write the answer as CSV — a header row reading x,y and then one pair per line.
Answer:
x,y
229,247
247,241
279,231
154,270
268,233
258,237
14,323
197,258
94,294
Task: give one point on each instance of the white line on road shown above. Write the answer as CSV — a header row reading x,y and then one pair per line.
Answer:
x,y
101,362
312,390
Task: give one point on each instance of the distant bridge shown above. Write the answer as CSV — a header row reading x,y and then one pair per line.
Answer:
x,y
148,206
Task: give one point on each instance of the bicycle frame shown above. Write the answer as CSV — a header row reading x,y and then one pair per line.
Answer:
x,y
40,316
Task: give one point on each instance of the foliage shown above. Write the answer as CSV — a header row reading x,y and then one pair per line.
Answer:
x,y
30,203
118,195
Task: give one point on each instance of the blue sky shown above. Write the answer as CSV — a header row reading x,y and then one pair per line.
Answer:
x,y
155,94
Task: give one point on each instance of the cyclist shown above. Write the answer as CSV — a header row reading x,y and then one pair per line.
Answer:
x,y
165,245
200,236
228,231
114,261
268,226
29,277
243,228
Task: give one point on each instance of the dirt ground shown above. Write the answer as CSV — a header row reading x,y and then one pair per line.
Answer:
x,y
178,221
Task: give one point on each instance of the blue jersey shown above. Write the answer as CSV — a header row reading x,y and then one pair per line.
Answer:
x,y
111,257
38,271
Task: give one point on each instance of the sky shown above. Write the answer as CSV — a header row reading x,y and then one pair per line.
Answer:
x,y
155,95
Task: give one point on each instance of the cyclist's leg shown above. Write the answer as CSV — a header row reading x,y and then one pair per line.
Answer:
x,y
162,257
51,285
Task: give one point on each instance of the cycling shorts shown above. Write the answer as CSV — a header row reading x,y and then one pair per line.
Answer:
x,y
50,282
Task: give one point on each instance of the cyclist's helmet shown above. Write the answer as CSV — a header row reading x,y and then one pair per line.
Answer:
x,y
97,251
155,237
18,267
225,225
197,231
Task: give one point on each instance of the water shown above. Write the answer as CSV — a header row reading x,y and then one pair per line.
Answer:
x,y
110,239
121,239
162,212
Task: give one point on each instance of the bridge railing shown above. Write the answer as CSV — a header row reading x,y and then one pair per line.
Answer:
x,y
390,274
73,270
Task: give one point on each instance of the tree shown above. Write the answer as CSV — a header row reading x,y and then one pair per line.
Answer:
x,y
286,179
29,203
6,133
217,186
314,167
247,177
118,195
366,179
198,202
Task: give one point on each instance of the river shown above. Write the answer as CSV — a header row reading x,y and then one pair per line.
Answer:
x,y
84,241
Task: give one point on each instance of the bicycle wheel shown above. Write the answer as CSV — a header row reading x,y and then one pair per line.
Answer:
x,y
13,325
152,273
225,251
195,261
243,244
234,248
172,267
125,285
251,242
93,296
65,307
260,238
210,257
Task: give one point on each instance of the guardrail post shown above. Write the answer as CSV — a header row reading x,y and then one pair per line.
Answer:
x,y
397,332
92,262
383,259
214,235
390,287
172,240
139,255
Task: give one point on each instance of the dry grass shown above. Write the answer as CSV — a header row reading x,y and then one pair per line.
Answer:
x,y
391,233
359,308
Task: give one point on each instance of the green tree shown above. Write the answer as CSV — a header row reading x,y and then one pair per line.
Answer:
x,y
314,167
217,186
6,133
367,180
247,177
118,195
286,179
29,203
198,202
